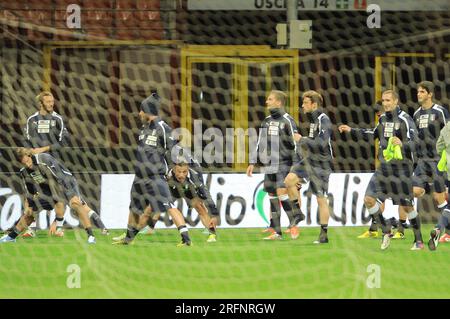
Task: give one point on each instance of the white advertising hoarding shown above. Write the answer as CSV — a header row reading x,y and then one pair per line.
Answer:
x,y
242,202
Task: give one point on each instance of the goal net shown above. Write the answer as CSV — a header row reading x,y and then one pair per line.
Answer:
x,y
98,86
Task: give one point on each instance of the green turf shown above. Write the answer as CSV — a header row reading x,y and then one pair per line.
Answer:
x,y
238,265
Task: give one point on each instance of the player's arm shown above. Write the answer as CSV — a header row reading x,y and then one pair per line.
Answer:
x,y
322,139
292,131
29,134
408,141
63,135
441,144
260,146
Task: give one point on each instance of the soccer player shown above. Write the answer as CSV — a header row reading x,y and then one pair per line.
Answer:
x,y
401,224
276,139
393,179
441,233
150,191
185,182
45,131
430,119
40,174
317,165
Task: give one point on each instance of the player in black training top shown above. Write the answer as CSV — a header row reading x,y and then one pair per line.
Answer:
x,y
430,119
47,182
276,153
393,179
316,165
150,191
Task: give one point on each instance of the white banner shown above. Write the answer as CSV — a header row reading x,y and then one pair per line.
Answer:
x,y
320,5
242,202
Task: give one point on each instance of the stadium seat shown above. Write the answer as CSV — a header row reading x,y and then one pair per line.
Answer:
x,y
147,15
30,4
97,4
148,4
126,34
96,18
125,4
95,34
151,34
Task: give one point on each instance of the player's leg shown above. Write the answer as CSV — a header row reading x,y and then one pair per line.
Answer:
x,y
151,223
372,232
275,211
294,219
23,223
202,211
82,210
414,219
179,221
293,183
373,199
403,194
319,178
442,228
97,221
56,228
161,201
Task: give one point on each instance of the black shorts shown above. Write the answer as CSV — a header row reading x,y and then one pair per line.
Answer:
x,y
393,182
427,176
70,188
299,169
153,192
39,204
274,181
318,180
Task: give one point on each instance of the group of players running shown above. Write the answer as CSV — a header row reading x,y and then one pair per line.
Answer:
x,y
164,170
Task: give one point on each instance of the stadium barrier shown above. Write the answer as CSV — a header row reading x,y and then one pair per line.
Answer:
x,y
243,203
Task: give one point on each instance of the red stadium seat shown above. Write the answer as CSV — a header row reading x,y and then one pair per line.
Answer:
x,y
97,4
125,4
124,34
151,35
147,15
148,4
27,5
96,18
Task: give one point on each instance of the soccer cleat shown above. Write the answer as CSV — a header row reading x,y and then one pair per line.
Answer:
x,y
7,239
185,244
321,240
288,230
105,231
274,236
91,240
123,241
369,234
298,218
417,246
445,238
147,230
120,237
433,242
268,230
294,232
29,233
59,232
211,238
398,235
386,241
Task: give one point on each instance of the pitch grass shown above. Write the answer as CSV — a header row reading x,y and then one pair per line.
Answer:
x,y
239,265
